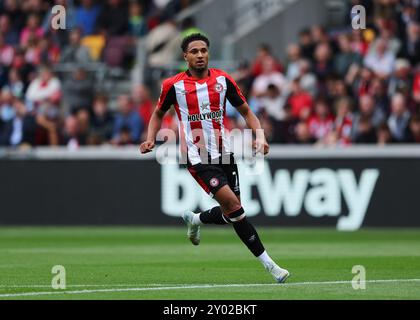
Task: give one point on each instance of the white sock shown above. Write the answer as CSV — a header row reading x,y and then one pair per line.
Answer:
x,y
196,220
265,258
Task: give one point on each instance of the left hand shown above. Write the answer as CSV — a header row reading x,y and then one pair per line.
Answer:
x,y
261,146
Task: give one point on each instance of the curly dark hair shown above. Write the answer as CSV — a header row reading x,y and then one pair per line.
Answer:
x,y
193,37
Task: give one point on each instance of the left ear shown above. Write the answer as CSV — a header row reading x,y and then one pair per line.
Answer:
x,y
185,56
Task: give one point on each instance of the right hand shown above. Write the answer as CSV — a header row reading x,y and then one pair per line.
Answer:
x,y
147,146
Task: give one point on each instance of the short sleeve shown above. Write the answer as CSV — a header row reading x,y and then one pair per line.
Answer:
x,y
167,96
233,93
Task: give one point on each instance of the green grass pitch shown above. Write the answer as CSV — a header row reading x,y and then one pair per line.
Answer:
x,y
160,263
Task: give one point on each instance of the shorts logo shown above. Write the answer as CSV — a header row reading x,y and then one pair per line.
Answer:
x,y
214,182
218,87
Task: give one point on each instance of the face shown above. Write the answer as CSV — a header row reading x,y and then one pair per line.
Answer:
x,y
45,75
366,104
343,108
294,52
415,127
75,36
302,131
124,104
398,104
20,108
321,109
99,107
71,126
197,55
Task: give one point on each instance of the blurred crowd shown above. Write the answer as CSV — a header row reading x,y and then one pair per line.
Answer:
x,y
340,87
336,88
38,106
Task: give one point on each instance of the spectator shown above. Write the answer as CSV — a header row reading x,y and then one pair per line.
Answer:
x,y
7,112
377,90
322,121
142,102
336,89
13,11
399,118
300,101
72,137
308,80
46,88
400,81
320,35
343,121
43,96
416,90
11,36
188,26
381,60
302,134
365,131
268,76
273,103
101,122
15,83
386,30
26,70
243,76
411,47
37,7
162,44
361,82
323,66
125,138
346,57
126,117
414,130
384,135
263,54
368,111
293,65
136,20
20,130
32,30
408,14
49,51
306,44
117,12
86,16
78,91
75,52
6,52
358,44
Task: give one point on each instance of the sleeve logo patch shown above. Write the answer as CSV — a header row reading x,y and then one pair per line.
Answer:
x,y
214,182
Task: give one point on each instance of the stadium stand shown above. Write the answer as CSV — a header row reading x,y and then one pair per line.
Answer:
x,y
335,87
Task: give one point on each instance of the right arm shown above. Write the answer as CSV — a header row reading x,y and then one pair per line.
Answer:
x,y
166,100
154,126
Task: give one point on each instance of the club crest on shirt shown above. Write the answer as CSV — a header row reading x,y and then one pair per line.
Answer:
x,y
214,182
218,87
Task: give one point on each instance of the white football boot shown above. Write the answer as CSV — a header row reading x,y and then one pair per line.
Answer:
x,y
278,273
193,232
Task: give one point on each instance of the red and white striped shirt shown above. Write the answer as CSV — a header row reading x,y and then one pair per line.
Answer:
x,y
200,105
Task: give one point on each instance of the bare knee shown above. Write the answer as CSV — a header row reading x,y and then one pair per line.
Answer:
x,y
231,206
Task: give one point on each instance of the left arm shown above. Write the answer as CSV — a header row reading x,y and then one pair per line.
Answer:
x,y
237,99
260,143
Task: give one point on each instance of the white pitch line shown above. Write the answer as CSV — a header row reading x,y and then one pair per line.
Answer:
x,y
7,286
204,286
